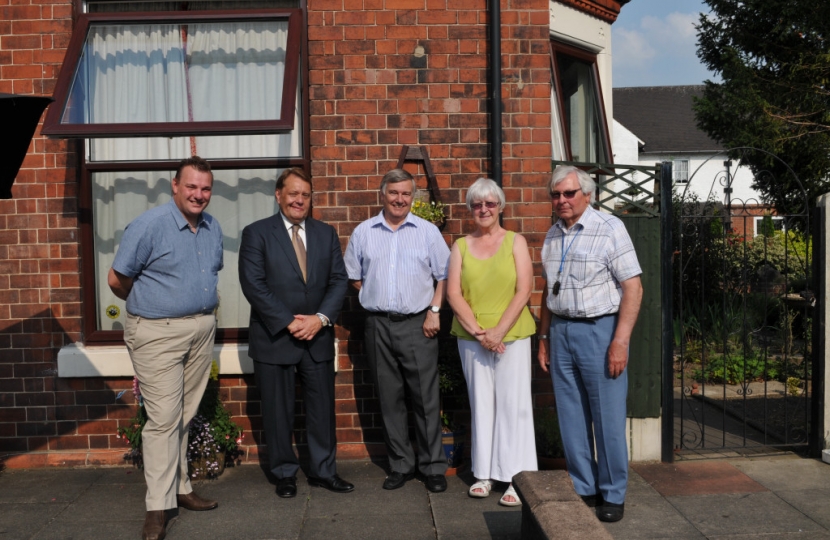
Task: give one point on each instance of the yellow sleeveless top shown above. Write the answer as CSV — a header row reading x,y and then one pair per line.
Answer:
x,y
488,286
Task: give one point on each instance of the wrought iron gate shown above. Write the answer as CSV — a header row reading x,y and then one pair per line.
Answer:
x,y
742,314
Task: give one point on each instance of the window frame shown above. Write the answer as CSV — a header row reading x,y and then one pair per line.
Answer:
x,y
758,220
296,43
675,175
557,47
89,321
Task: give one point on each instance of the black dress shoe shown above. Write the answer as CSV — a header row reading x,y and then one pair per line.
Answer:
x,y
592,501
611,512
287,487
396,480
332,483
436,483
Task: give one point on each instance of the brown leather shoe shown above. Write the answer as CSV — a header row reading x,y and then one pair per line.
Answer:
x,y
154,525
194,503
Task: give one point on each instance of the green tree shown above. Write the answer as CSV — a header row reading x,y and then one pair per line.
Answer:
x,y
774,59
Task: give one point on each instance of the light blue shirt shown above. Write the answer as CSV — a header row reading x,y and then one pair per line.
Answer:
x,y
398,268
175,271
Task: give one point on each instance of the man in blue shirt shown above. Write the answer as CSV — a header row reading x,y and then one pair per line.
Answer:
x,y
167,269
398,262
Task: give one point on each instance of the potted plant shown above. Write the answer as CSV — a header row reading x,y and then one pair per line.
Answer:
x,y
213,440
549,450
430,211
451,384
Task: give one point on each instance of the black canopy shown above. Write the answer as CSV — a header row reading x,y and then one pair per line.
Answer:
x,y
20,116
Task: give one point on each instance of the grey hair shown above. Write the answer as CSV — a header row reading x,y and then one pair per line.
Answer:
x,y
586,183
483,187
397,175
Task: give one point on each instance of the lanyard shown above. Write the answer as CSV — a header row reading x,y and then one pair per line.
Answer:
x,y
565,251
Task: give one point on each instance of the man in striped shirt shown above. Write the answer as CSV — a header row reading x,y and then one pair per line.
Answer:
x,y
398,262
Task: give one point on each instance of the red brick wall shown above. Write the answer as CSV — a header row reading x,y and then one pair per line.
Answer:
x,y
414,72
383,74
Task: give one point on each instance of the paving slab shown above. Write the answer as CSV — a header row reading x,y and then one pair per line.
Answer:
x,y
758,514
787,472
649,515
813,503
24,520
45,485
697,478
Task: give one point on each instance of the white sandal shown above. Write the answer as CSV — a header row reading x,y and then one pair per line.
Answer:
x,y
484,485
510,492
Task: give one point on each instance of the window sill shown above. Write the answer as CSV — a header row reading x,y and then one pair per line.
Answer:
x,y
77,360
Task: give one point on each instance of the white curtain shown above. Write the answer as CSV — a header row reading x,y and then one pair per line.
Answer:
x,y
170,73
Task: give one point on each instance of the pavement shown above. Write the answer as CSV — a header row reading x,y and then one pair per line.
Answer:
x,y
780,496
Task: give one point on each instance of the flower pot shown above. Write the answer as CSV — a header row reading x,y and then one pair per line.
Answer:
x,y
551,463
454,447
211,466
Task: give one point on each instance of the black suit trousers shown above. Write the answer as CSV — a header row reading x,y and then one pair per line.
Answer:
x,y
276,386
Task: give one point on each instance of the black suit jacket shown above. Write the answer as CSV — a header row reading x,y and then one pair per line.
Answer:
x,y
273,284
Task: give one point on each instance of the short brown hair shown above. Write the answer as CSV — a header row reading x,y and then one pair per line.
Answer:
x,y
197,163
292,171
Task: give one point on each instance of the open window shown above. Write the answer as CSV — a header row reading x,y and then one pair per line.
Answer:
x,y
580,129
143,90
178,73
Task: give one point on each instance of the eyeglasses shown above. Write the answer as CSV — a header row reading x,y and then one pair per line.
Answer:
x,y
479,205
570,194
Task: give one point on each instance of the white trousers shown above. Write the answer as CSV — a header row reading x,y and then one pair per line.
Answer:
x,y
504,443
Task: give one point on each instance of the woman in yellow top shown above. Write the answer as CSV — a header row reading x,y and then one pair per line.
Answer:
x,y
488,287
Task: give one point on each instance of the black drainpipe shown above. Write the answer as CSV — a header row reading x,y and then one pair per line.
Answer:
x,y
495,90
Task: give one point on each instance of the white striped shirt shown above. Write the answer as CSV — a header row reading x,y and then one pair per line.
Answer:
x,y
398,268
599,255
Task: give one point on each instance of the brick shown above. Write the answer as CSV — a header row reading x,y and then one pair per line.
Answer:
x,y
356,107
354,47
356,137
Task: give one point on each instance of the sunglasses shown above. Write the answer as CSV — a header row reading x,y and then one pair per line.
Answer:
x,y
570,194
488,204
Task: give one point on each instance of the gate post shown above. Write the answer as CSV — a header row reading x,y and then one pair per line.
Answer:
x,y
820,433
666,248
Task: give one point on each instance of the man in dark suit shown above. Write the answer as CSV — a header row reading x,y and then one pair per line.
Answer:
x,y
292,273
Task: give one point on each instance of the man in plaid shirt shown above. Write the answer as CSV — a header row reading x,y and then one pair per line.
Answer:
x,y
590,304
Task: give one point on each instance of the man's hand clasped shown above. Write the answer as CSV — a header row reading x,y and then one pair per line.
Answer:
x,y
305,327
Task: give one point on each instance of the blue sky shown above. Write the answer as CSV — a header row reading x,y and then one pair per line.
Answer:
x,y
654,43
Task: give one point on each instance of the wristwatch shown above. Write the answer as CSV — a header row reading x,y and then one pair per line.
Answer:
x,y
323,319
435,309
543,336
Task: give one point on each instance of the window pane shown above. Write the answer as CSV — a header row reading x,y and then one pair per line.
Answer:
x,y
209,147
119,6
239,198
229,71
680,171
581,106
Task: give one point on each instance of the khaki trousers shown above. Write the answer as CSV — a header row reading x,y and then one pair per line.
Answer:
x,y
171,358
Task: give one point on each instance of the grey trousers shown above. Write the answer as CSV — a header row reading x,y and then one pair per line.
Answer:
x,y
171,358
400,357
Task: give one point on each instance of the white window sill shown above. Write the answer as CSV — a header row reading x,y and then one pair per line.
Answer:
x,y
77,360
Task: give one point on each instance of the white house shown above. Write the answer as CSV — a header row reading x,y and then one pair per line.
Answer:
x,y
655,124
